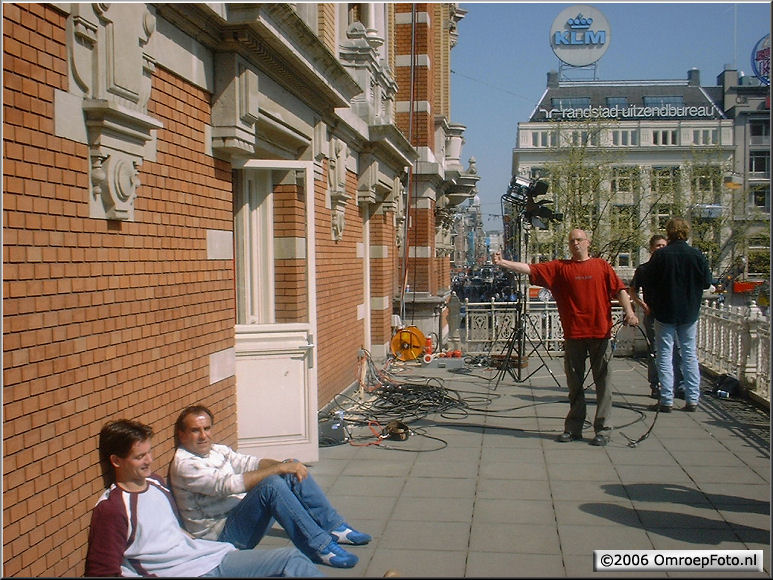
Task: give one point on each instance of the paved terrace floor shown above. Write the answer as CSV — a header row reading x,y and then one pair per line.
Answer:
x,y
488,492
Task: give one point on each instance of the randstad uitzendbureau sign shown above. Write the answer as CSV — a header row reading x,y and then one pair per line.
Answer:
x,y
630,112
580,35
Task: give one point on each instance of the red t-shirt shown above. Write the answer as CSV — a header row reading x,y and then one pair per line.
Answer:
x,y
582,291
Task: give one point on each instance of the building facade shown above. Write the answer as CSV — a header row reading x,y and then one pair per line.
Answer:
x,y
621,157
207,203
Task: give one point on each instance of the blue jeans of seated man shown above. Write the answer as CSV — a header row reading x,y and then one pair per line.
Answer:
x,y
300,507
666,336
286,562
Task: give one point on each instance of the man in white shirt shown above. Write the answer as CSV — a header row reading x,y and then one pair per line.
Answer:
x,y
228,496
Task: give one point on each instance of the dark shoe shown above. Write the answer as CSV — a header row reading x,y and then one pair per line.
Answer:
x,y
600,439
655,393
661,408
567,437
690,407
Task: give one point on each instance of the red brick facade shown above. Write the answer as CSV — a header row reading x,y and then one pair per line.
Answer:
x,y
102,319
339,292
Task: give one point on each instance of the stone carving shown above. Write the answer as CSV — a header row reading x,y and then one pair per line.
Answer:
x,y
111,74
336,177
114,180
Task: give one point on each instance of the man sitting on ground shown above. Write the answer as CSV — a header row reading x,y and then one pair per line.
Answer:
x,y
135,531
228,496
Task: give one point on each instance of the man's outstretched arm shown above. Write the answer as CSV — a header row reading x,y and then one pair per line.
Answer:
x,y
517,267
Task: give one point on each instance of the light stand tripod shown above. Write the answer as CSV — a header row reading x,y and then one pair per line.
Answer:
x,y
516,231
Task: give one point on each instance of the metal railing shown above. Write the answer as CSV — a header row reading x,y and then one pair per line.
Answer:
x,y
731,339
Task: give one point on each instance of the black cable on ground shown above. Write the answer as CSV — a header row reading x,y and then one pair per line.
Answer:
x,y
391,398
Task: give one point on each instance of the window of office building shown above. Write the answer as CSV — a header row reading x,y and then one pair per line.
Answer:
x,y
623,230
665,182
665,192
582,138
570,102
625,137
760,196
621,102
759,162
543,138
625,179
623,260
661,213
581,202
705,136
661,101
759,130
706,183
759,255
665,137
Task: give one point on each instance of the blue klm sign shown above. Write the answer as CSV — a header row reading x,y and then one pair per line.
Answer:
x,y
579,33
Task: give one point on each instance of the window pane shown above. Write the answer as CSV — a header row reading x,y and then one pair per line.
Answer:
x,y
676,100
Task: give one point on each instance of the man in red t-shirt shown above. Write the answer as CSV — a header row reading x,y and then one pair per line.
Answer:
x,y
582,287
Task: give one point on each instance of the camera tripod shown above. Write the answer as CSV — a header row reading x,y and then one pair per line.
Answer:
x,y
517,233
516,343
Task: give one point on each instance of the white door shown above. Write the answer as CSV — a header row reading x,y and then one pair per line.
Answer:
x,y
276,383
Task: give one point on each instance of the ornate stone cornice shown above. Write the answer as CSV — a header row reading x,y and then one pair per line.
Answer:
x,y
274,38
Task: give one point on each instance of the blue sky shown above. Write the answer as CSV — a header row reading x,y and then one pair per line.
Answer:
x,y
501,60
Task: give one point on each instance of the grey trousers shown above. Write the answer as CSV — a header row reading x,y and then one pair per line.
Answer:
x,y
599,350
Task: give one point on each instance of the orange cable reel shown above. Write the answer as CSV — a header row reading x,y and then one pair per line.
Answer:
x,y
408,343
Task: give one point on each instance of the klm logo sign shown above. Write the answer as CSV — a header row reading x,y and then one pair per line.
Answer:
x,y
582,39
579,33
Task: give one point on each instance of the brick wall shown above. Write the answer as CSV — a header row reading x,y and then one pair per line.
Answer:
x,y
291,280
382,278
339,292
102,319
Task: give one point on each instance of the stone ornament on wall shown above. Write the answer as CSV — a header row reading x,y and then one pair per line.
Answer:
x,y
336,177
111,75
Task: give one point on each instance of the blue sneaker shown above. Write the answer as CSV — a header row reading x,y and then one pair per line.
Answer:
x,y
335,556
343,534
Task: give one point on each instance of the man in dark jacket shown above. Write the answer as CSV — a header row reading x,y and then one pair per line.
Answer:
x,y
677,276
657,241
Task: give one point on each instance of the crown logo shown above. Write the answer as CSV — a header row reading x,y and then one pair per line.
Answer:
x,y
579,23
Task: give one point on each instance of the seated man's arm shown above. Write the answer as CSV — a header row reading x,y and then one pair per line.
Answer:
x,y
270,467
196,475
107,540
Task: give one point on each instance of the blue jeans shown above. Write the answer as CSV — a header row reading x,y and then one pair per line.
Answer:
x,y
301,508
666,335
287,562
652,367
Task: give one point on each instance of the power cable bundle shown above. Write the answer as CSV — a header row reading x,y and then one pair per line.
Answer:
x,y
388,404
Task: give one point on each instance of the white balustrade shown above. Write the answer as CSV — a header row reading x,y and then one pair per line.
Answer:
x,y
731,339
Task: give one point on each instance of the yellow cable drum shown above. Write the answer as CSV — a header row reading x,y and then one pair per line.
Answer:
x,y
408,343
